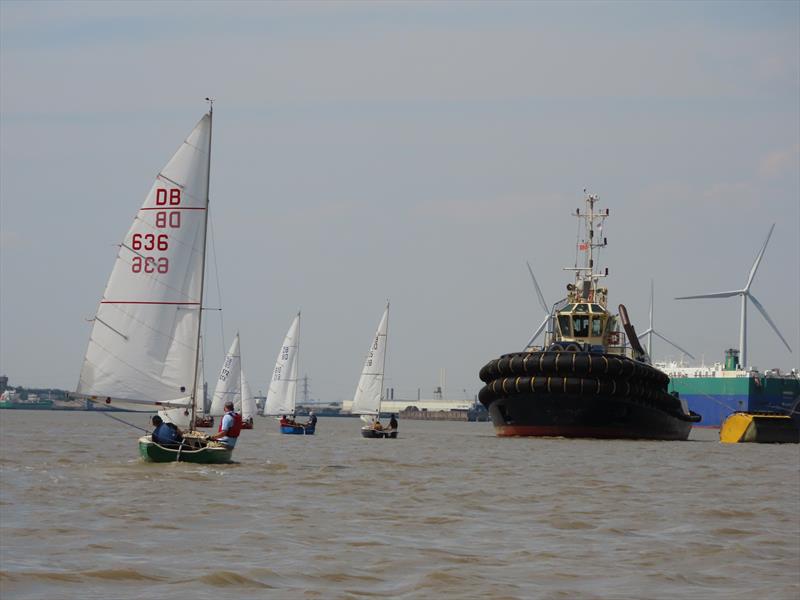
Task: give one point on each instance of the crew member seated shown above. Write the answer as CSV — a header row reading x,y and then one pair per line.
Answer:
x,y
377,425
312,419
166,434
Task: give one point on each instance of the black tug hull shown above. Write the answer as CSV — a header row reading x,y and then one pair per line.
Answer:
x,y
581,395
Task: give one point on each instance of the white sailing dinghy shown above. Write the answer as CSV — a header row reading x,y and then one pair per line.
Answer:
x,y
369,393
229,382
248,408
144,349
282,394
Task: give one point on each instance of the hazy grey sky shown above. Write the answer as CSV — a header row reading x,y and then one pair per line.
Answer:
x,y
420,152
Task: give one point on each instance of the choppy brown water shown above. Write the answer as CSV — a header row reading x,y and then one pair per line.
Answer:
x,y
446,510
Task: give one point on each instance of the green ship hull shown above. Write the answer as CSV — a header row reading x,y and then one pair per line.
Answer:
x,y
40,405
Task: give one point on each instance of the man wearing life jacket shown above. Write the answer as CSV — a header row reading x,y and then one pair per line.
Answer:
x,y
229,427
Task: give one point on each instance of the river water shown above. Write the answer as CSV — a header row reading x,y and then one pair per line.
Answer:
x,y
446,510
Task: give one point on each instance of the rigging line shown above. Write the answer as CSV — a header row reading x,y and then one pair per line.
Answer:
x,y
110,416
219,290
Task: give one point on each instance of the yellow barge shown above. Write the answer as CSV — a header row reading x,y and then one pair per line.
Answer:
x,y
763,428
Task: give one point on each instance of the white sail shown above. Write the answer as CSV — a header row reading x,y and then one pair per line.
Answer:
x,y
367,400
249,408
143,346
229,384
182,416
283,387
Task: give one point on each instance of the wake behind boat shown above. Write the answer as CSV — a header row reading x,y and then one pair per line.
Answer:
x,y
144,349
589,379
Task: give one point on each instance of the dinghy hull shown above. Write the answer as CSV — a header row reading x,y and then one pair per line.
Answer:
x,y
370,433
152,452
298,429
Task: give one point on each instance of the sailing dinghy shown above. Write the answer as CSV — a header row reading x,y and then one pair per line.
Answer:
x,y
282,395
144,349
247,407
369,393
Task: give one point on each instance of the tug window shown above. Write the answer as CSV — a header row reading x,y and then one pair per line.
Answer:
x,y
563,324
581,325
597,327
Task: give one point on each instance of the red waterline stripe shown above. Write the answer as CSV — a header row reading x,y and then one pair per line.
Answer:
x,y
173,208
137,302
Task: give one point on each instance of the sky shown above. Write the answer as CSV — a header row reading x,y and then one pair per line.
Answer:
x,y
419,152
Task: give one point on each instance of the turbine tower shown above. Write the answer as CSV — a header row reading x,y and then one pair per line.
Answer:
x,y
650,332
542,303
745,294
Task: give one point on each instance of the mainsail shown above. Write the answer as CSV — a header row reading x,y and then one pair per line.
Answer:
x,y
229,384
283,387
367,400
143,348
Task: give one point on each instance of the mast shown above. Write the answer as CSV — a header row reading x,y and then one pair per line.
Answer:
x,y
203,262
383,366
586,277
296,366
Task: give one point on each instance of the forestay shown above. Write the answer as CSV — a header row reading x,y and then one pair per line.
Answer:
x,y
143,346
367,400
283,387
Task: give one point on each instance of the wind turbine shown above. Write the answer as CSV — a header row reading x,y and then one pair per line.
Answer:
x,y
650,332
745,294
543,305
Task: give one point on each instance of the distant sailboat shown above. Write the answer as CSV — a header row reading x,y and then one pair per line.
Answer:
x,y
229,382
144,349
282,394
248,408
369,392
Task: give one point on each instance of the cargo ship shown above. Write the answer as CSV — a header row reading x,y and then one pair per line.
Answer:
x,y
721,389
591,378
13,399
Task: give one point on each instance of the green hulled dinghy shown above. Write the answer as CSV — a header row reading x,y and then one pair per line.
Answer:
x,y
144,350
194,449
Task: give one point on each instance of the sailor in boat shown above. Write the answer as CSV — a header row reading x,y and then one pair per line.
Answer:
x,y
376,425
393,423
312,419
229,427
166,434
284,420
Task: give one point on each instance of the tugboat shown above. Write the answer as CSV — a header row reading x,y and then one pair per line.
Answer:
x,y
590,379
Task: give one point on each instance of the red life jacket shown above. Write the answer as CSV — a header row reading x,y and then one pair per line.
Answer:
x,y
236,428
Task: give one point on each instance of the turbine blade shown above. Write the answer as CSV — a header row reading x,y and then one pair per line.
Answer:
x,y
763,312
758,259
717,295
689,354
538,290
538,331
651,303
644,333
